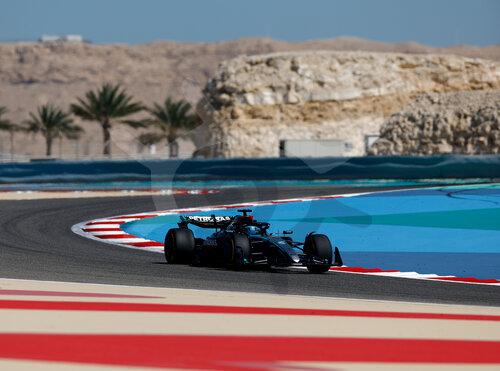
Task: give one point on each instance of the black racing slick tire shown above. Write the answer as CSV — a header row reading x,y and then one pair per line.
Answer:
x,y
237,251
179,246
319,246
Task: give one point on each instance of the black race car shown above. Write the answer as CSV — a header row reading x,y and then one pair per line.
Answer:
x,y
240,241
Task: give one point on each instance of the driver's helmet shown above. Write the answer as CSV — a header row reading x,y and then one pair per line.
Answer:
x,y
252,229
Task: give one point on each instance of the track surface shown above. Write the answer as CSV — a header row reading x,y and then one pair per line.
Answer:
x,y
36,242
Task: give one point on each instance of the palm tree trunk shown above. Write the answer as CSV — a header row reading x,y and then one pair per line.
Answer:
x,y
48,141
11,144
173,149
106,132
173,146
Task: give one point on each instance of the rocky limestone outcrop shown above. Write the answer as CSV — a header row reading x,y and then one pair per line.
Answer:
x,y
254,102
462,123
36,73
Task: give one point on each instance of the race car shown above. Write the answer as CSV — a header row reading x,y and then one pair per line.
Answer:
x,y
240,241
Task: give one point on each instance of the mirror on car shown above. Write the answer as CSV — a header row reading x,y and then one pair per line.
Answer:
x,y
287,232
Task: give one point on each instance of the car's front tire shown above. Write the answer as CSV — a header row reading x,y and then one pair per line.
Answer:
x,y
237,251
179,246
319,246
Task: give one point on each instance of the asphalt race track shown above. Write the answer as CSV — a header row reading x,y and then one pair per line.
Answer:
x,y
36,242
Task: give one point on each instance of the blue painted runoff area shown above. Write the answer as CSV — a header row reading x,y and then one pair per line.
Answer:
x,y
446,230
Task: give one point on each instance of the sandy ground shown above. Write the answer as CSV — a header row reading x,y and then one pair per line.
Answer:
x,y
197,322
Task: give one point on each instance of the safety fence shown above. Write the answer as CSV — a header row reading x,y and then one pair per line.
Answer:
x,y
390,167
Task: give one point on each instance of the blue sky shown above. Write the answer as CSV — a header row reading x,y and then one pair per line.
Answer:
x,y
431,22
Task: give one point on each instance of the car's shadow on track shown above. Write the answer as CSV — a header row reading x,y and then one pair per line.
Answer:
x,y
247,270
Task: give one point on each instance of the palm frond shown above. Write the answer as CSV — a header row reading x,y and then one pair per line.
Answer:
x,y
136,124
148,139
6,124
172,116
106,104
51,122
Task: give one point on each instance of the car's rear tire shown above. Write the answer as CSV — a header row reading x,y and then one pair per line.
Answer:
x,y
237,251
319,246
179,246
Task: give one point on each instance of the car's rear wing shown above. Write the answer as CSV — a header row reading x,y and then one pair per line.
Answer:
x,y
207,221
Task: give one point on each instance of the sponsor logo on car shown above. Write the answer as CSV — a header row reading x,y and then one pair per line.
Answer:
x,y
198,218
210,242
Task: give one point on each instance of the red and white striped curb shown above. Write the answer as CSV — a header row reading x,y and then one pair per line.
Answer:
x,y
109,230
415,275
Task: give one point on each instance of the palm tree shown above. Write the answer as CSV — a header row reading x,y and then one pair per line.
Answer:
x,y
108,105
170,118
7,125
52,122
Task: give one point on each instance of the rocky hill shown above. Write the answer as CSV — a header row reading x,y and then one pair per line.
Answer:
x,y
255,102
463,123
35,73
